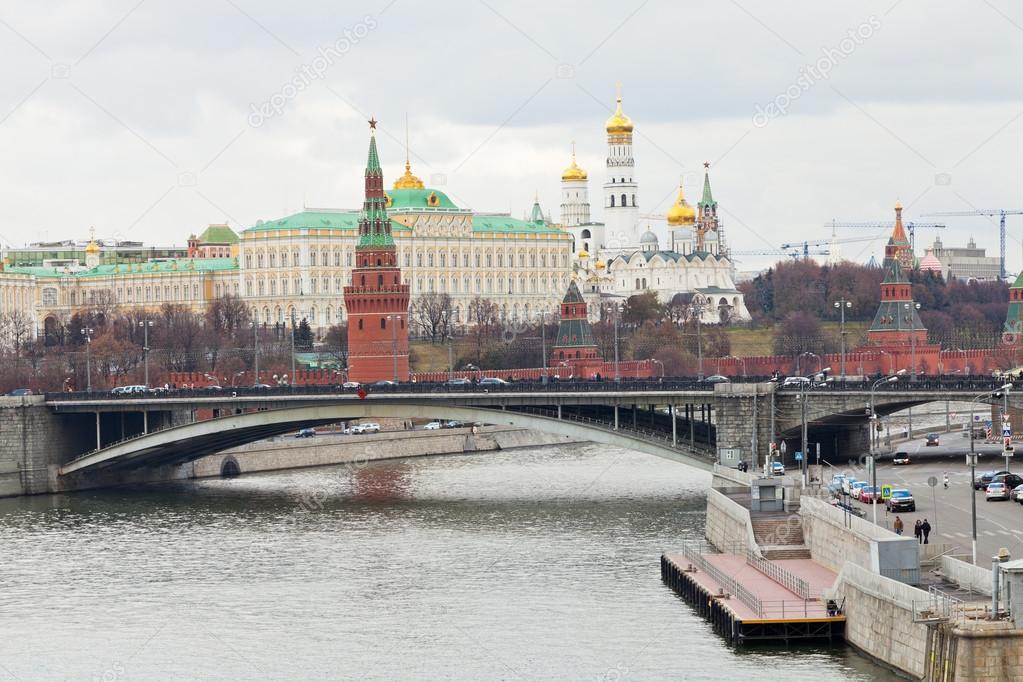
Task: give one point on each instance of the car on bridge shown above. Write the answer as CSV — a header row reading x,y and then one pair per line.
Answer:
x,y
493,381
122,390
901,500
432,426
796,381
717,379
458,381
351,384
20,392
996,491
368,427
384,383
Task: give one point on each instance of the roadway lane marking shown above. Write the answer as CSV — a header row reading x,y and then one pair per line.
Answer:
x,y
988,533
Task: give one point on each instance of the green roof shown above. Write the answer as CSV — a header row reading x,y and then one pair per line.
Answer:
x,y
167,266
418,198
317,220
893,316
218,234
895,275
670,255
708,197
573,295
505,223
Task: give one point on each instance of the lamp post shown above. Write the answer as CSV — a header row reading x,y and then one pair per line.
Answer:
x,y
842,304
1005,419
146,324
292,345
973,466
255,350
87,333
911,308
543,344
798,357
873,430
698,309
659,363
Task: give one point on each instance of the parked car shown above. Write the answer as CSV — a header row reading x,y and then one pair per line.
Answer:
x,y
855,487
996,491
1014,494
454,424
351,384
900,458
459,381
796,381
836,484
901,500
371,427
932,440
717,379
493,381
305,433
21,391
122,390
1009,480
847,485
983,479
432,426
870,494
777,468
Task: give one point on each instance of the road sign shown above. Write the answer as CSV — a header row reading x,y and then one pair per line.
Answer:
x,y
932,481
886,492
783,447
799,456
1006,431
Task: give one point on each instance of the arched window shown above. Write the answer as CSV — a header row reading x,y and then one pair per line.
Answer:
x,y
624,202
585,234
360,325
633,199
383,323
612,201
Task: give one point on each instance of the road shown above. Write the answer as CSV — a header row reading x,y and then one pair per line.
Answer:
x,y
999,524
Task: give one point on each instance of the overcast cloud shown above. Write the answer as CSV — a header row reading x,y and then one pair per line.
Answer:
x,y
150,119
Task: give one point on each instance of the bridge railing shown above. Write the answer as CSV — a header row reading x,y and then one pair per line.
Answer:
x,y
906,383
418,388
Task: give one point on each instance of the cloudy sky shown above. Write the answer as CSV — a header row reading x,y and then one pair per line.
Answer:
x,y
151,119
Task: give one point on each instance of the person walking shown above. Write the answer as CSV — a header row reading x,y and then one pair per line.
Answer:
x,y
918,532
925,528
898,525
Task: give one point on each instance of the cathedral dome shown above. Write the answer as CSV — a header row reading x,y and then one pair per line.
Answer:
x,y
574,172
584,254
600,265
648,239
619,123
681,213
92,247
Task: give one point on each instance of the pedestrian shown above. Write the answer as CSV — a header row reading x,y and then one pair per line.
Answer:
x,y
946,480
898,525
925,528
918,532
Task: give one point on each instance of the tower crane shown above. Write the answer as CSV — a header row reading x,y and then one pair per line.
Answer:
x,y
1001,213
886,224
791,253
805,246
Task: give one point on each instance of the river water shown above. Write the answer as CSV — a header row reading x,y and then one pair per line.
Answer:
x,y
525,564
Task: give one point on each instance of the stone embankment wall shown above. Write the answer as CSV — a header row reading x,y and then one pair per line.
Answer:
x,y
33,442
879,617
288,452
728,523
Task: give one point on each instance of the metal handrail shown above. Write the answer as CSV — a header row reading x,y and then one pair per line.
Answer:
x,y
778,574
745,596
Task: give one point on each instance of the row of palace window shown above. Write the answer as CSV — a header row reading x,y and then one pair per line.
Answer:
x,y
423,284
272,258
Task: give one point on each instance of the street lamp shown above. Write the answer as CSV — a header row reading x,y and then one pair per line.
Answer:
x,y
798,357
87,333
873,430
543,344
842,304
255,350
973,465
911,308
659,363
146,324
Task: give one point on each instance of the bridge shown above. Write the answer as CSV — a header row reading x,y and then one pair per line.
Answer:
x,y
66,441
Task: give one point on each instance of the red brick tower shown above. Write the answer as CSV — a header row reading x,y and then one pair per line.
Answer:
x,y
377,301
575,348
898,247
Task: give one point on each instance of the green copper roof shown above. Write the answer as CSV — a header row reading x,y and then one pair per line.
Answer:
x,y
318,220
419,198
1018,284
537,215
573,295
504,223
895,275
373,162
218,234
371,240
574,333
708,198
893,316
177,265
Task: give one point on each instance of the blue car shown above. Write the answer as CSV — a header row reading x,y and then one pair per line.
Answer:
x,y
777,468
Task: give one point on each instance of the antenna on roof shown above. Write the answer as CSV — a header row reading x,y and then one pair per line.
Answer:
x,y
406,138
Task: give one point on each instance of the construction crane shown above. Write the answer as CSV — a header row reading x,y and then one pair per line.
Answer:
x,y
1001,213
805,246
886,224
791,253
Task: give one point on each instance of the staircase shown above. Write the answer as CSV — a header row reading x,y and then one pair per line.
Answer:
x,y
779,535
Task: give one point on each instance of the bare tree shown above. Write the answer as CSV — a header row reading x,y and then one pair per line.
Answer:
x,y
483,318
431,314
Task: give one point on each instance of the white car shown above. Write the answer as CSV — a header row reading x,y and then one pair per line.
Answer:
x,y
432,426
796,381
120,390
351,384
493,381
370,427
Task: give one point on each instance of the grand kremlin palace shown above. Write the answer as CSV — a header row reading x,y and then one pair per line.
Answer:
x,y
300,263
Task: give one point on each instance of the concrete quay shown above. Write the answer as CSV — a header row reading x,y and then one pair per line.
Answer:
x,y
916,609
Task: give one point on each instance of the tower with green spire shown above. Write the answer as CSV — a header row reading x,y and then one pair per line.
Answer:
x,y
377,301
707,210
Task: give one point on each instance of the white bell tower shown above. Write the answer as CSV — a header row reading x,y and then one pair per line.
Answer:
x,y
621,191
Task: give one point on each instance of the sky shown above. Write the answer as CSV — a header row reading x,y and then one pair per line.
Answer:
x,y
150,119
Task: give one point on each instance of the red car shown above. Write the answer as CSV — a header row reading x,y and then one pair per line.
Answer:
x,y
870,494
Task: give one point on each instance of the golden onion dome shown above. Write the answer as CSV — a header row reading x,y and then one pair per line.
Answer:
x,y
681,213
92,247
584,254
600,265
574,172
408,181
619,123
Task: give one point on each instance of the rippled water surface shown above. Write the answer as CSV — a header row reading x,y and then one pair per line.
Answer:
x,y
525,564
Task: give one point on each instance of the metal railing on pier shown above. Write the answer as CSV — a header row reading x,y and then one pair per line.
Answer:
x,y
729,584
780,576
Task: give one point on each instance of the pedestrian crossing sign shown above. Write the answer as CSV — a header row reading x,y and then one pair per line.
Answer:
x,y
886,492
